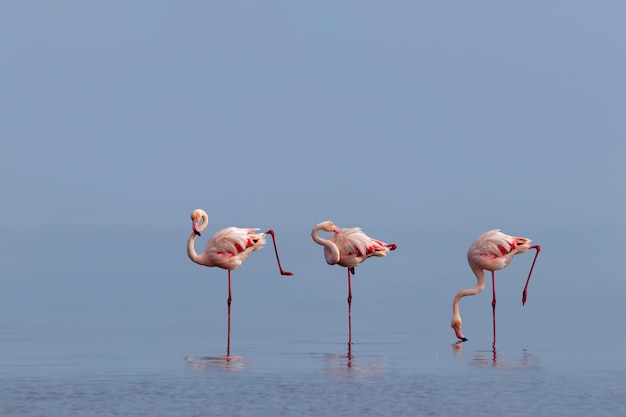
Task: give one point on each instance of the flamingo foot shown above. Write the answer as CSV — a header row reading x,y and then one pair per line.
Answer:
x,y
280,267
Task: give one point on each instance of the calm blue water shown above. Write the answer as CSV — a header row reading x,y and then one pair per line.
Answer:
x,y
106,327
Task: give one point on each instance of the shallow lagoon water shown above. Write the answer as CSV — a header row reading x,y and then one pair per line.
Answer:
x,y
146,335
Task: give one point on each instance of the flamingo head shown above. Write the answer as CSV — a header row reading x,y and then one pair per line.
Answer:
x,y
521,244
199,220
329,226
456,325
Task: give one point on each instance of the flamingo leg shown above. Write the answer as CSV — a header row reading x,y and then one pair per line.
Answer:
x,y
349,328
228,301
230,298
349,308
524,293
282,272
493,304
349,289
228,339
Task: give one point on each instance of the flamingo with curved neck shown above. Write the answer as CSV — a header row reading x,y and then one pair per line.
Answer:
x,y
491,251
348,247
227,249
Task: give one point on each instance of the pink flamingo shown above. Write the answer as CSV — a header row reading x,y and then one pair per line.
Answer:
x,y
348,247
491,251
227,249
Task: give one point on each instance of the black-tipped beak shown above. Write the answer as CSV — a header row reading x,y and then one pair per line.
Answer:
x,y
197,233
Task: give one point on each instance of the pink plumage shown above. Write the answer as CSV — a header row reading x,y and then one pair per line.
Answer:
x,y
230,247
355,247
348,247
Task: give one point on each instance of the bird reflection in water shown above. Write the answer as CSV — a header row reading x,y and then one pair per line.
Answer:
x,y
227,363
347,364
489,357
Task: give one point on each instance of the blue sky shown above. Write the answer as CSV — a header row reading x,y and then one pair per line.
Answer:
x,y
270,114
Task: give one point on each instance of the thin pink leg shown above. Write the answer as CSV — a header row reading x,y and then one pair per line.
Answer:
x,y
230,298
228,301
228,339
493,304
282,272
349,308
524,293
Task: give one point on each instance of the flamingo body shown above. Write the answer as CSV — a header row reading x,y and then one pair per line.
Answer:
x,y
355,247
230,247
348,247
491,251
494,250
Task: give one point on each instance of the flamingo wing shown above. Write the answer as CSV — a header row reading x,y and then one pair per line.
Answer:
x,y
355,246
351,241
494,244
229,247
234,240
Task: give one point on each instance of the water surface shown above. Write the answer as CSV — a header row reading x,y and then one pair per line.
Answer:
x,y
112,329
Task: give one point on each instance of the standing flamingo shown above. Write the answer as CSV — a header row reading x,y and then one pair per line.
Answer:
x,y
227,249
491,251
348,247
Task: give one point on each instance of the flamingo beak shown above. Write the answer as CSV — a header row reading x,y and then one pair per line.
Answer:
x,y
337,230
460,335
194,227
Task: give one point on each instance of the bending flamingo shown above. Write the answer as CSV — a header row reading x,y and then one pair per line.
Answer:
x,y
491,251
348,247
227,249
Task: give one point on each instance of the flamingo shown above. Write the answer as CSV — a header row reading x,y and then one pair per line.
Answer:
x,y
348,247
227,249
491,251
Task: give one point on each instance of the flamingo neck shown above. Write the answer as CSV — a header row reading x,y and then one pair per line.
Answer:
x,y
191,250
331,251
480,285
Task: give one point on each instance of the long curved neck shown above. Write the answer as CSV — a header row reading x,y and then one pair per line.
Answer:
x,y
191,250
331,251
480,277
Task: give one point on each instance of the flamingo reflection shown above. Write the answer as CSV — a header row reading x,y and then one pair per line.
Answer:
x,y
489,357
227,363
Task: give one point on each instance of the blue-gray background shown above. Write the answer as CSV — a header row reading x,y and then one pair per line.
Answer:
x,y
425,123
445,114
